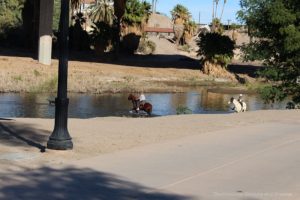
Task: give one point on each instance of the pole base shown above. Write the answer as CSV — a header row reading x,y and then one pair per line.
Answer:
x,y
60,144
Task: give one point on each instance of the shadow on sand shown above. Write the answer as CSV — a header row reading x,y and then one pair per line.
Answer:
x,y
12,134
77,184
148,61
156,61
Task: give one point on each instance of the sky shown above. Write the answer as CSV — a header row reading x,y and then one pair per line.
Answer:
x,y
204,7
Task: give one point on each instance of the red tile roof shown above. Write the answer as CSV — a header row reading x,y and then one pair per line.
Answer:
x,y
88,1
159,30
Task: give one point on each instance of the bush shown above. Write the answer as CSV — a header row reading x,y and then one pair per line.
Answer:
x,y
216,48
130,43
183,110
101,36
146,47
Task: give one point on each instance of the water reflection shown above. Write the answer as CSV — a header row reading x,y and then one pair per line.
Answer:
x,y
87,106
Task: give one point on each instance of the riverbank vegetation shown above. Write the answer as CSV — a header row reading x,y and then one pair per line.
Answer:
x,y
276,29
115,28
27,75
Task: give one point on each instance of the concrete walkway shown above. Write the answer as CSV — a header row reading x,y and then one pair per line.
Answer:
x,y
254,163
258,162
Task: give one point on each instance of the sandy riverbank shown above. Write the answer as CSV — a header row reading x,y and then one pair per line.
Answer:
x,y
21,138
156,73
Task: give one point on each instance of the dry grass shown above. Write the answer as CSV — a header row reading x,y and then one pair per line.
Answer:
x,y
27,75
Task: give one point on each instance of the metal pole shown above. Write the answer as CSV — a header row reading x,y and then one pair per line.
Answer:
x,y
228,23
60,138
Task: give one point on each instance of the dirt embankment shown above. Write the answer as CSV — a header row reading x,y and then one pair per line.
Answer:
x,y
149,73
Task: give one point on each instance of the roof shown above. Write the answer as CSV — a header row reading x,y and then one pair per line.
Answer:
x,y
158,30
89,1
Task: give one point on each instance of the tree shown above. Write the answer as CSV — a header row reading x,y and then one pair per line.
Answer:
x,y
224,3
216,52
180,16
136,13
10,14
276,26
216,21
135,18
103,11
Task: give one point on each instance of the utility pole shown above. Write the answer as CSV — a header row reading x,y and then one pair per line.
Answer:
x,y
228,23
153,7
199,18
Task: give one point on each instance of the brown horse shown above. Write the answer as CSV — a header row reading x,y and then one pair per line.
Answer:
x,y
147,107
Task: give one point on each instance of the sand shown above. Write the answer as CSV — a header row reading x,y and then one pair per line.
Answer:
x,y
22,138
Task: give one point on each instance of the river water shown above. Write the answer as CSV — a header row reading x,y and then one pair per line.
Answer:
x,y
88,106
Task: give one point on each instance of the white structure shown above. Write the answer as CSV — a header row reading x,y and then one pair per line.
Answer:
x,y
45,31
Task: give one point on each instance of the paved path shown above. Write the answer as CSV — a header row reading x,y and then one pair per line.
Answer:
x,y
256,163
259,162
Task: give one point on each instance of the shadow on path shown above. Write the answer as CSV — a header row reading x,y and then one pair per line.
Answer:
x,y
74,184
12,134
149,61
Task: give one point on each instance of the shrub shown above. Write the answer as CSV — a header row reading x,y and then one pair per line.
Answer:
x,y
216,48
101,36
146,47
183,110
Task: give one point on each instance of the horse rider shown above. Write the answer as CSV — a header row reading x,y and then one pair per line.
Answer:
x,y
240,99
141,100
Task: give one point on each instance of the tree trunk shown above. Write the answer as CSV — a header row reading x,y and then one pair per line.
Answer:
x,y
153,11
119,8
213,10
217,71
222,10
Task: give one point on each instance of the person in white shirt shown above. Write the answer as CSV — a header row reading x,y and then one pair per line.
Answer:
x,y
240,99
142,100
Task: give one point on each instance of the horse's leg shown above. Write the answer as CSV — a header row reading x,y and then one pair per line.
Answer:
x,y
134,105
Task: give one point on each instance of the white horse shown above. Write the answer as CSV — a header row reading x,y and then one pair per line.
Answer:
x,y
237,106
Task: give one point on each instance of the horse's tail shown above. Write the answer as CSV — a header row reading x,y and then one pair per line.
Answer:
x,y
244,107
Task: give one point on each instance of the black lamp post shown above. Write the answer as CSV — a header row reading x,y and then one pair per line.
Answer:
x,y
60,138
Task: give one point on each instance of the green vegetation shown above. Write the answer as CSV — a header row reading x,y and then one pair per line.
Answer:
x,y
216,22
183,110
17,78
10,17
184,27
49,85
136,13
101,36
180,12
36,73
102,11
56,14
146,46
216,48
276,25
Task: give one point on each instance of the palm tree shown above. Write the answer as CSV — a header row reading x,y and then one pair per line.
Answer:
x,y
136,13
119,8
75,4
103,11
153,11
225,1
213,11
180,16
216,10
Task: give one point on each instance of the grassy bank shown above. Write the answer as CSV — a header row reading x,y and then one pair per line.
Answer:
x,y
26,75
